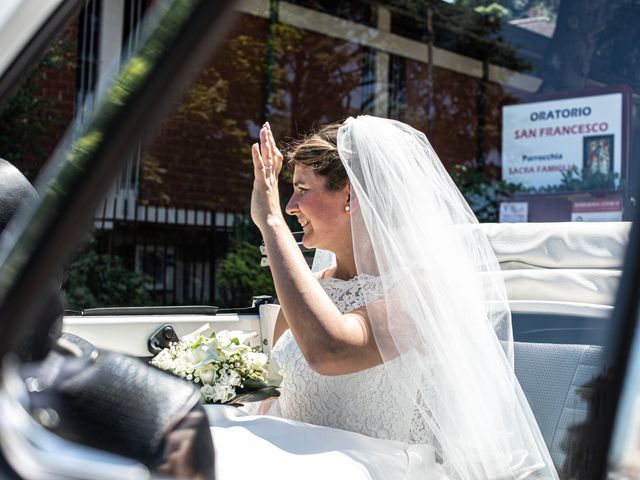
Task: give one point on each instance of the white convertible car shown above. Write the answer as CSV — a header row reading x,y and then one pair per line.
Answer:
x,y
561,280
82,405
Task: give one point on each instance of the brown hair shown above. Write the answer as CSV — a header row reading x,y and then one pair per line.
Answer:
x,y
319,151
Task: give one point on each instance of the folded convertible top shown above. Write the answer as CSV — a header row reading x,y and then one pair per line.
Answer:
x,y
559,245
560,262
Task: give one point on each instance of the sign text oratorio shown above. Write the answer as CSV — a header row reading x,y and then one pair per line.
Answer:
x,y
540,140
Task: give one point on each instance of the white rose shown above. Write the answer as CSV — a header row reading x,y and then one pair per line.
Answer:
x,y
193,336
207,392
256,360
274,375
204,354
206,374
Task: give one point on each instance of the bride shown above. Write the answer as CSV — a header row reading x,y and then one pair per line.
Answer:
x,y
397,355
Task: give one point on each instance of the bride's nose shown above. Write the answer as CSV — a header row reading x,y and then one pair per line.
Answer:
x,y
292,205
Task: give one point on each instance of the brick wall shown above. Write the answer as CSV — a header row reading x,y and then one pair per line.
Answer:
x,y
454,123
318,82
497,97
201,156
456,112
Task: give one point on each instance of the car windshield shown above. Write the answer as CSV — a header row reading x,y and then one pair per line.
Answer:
x,y
531,105
533,120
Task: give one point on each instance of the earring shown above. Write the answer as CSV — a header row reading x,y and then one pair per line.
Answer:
x,y
347,209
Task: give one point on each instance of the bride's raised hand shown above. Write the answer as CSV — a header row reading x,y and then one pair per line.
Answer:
x,y
267,163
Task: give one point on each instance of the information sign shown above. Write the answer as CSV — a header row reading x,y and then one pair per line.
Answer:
x,y
543,139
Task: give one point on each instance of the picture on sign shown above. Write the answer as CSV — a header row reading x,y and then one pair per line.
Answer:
x,y
548,136
597,154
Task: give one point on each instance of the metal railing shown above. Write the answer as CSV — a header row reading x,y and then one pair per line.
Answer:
x,y
177,248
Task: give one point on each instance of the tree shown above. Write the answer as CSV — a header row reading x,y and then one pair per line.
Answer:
x,y
29,115
567,61
95,280
482,193
240,275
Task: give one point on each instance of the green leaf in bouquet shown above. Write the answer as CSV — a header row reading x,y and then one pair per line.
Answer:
x,y
233,349
255,395
253,384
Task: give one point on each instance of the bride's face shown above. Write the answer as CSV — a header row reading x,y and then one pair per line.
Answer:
x,y
320,212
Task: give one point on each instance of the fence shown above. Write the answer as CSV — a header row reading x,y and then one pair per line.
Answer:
x,y
178,248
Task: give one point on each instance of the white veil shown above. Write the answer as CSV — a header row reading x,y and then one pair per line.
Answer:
x,y
444,317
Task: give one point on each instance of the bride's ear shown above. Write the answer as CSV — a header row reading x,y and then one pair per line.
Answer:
x,y
350,200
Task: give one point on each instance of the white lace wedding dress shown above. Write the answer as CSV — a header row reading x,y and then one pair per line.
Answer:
x,y
339,427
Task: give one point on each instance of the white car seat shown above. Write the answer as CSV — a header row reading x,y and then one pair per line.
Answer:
x,y
554,378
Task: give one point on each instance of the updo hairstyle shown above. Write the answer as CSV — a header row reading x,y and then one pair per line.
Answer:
x,y
319,151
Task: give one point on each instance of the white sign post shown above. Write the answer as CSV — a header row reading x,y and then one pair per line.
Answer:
x,y
541,140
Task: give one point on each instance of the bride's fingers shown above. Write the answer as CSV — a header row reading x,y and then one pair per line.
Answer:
x,y
262,170
267,159
258,166
276,155
265,150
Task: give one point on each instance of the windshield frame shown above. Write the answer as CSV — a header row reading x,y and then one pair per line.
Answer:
x,y
25,35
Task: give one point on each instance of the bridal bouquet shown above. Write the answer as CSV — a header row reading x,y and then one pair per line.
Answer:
x,y
223,363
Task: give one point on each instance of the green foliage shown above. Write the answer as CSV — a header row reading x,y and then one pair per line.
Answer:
x,y
509,9
493,10
28,114
483,193
20,124
582,181
241,276
95,280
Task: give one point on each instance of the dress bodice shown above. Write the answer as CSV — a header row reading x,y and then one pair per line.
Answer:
x,y
363,401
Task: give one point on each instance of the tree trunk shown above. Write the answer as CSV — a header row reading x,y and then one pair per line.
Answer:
x,y
568,57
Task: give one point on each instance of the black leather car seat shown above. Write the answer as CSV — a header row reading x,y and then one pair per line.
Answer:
x,y
16,190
